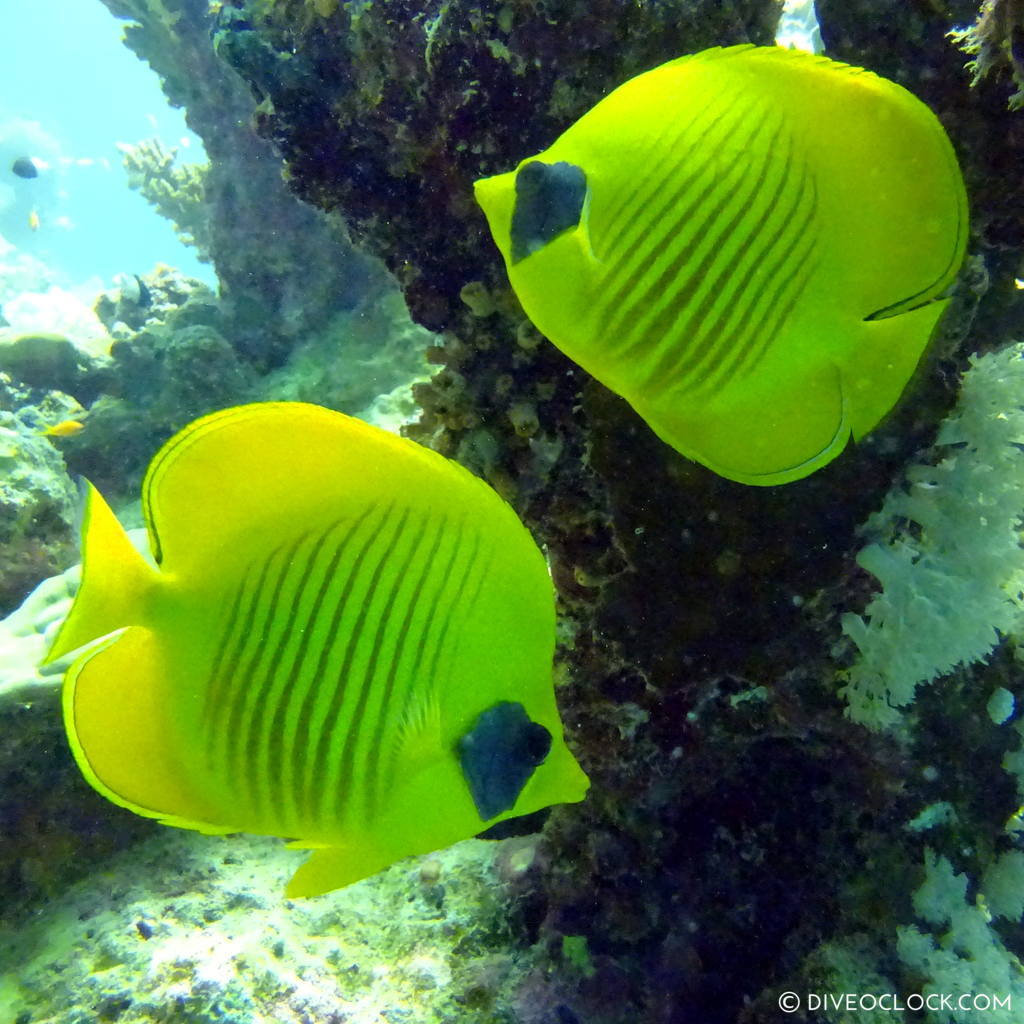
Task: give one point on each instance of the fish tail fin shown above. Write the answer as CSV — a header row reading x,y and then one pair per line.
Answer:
x,y
118,700
116,581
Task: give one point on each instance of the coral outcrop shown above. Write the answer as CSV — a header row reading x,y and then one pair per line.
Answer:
x,y
178,191
996,43
37,497
284,268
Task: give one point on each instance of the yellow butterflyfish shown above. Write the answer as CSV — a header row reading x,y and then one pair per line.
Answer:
x,y
347,639
751,245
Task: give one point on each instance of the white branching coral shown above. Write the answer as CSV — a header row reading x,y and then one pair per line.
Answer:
x,y
948,552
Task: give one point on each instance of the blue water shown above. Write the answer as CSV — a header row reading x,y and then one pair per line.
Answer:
x,y
69,92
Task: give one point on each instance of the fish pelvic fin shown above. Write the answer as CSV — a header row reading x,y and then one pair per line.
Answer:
x,y
333,867
116,581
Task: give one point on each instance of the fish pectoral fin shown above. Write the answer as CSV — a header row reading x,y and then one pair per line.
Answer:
x,y
419,736
333,867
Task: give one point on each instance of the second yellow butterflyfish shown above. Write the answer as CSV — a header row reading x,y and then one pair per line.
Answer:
x,y
751,245
347,640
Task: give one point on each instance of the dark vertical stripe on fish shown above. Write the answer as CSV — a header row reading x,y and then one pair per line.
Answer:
x,y
241,770
305,765
357,721
677,283
289,727
405,639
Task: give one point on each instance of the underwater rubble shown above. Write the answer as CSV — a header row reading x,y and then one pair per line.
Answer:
x,y
179,929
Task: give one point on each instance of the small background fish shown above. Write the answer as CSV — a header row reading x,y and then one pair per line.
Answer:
x,y
66,428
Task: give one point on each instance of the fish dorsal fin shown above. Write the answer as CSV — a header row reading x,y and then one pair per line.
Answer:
x,y
892,204
892,199
768,54
226,484
116,585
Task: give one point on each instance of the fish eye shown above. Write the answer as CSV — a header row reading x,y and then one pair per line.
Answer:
x,y
538,743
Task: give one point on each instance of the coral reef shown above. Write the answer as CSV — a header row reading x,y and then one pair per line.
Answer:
x,y
966,962
37,498
51,361
197,931
996,41
53,827
357,357
177,191
25,635
950,541
284,268
172,360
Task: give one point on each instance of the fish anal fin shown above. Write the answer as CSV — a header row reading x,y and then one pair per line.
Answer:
x,y
116,718
782,430
877,371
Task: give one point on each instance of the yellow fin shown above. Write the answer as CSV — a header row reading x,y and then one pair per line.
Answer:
x,y
115,713
876,373
256,464
335,866
419,739
802,425
116,581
